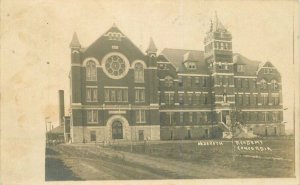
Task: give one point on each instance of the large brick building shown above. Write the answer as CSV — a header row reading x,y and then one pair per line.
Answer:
x,y
119,92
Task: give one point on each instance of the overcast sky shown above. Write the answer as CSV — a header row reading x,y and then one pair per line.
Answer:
x,y
34,32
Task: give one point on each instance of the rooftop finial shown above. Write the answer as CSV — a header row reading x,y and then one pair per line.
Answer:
x,y
151,48
114,25
75,42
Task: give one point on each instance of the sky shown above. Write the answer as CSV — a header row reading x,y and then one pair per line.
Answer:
x,y
35,32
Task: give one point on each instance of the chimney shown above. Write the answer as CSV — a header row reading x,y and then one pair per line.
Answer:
x,y
61,106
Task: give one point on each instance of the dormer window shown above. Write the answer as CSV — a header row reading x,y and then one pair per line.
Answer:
x,y
268,70
190,65
240,68
169,81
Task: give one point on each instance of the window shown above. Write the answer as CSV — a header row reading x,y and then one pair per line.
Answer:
x,y
204,81
191,65
116,95
139,95
240,68
225,80
190,117
247,97
246,83
255,99
264,99
274,85
91,94
168,81
275,116
263,84
205,98
254,116
265,116
204,117
140,116
275,98
190,98
91,71
199,117
268,70
189,81
180,98
197,81
138,72
170,117
180,81
92,116
169,97
181,117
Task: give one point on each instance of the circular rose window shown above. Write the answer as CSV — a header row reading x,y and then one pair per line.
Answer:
x,y
115,65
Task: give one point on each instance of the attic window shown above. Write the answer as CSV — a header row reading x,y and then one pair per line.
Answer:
x,y
268,70
240,68
191,65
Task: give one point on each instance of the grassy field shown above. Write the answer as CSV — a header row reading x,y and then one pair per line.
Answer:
x,y
168,160
277,162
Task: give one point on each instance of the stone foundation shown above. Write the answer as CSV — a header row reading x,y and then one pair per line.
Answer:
x,y
81,134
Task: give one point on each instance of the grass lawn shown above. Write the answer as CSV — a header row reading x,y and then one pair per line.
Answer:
x,y
277,162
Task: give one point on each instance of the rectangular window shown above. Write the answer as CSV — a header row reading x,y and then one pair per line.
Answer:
x,y
199,117
91,94
139,95
254,116
116,95
190,117
169,98
265,116
240,68
275,116
264,99
189,81
190,98
140,116
180,98
246,83
255,99
204,117
181,117
92,116
275,98
180,81
247,97
204,81
197,81
170,117
205,98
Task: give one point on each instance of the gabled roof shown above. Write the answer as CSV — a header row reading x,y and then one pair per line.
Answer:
x,y
113,36
176,57
251,66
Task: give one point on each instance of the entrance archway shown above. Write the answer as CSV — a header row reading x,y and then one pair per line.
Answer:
x,y
117,130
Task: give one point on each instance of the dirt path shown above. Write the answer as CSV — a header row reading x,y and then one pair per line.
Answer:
x,y
90,162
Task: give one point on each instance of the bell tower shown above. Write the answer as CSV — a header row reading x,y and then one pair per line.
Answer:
x,y
218,55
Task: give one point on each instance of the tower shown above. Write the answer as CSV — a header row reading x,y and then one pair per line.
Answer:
x,y
218,55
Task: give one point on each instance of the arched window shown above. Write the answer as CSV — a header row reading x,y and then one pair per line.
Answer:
x,y
274,85
168,81
263,84
138,72
91,71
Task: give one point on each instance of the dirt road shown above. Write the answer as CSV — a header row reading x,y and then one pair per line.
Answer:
x,y
91,162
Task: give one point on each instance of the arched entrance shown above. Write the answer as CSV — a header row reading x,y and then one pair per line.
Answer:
x,y
117,130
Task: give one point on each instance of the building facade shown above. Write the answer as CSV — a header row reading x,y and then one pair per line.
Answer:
x,y
120,93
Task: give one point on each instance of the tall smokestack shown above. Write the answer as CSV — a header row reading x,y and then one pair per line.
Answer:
x,y
61,106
